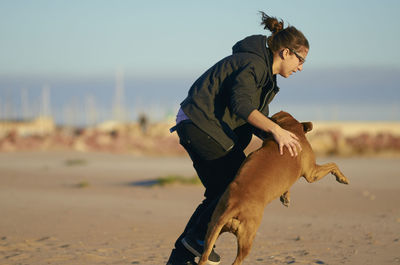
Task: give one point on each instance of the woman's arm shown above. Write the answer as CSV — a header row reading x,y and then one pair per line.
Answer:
x,y
282,136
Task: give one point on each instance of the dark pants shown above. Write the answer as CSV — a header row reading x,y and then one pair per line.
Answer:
x,y
215,168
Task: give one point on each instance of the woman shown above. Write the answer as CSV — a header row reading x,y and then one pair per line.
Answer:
x,y
224,107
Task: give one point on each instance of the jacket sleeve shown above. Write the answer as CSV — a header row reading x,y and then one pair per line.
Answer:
x,y
243,90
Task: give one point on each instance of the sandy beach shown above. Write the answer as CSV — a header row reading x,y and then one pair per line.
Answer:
x,y
97,208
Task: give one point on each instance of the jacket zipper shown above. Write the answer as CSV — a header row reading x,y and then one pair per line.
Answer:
x,y
267,95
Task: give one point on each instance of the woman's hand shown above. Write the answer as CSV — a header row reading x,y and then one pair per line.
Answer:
x,y
288,139
282,136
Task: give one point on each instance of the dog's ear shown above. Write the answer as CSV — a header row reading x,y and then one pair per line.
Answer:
x,y
307,126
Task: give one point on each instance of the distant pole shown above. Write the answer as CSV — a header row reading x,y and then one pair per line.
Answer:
x,y
46,111
91,111
8,106
119,106
25,104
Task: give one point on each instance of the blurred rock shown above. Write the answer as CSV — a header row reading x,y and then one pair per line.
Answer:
x,y
339,139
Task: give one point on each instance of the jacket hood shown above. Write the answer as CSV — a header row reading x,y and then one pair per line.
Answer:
x,y
256,44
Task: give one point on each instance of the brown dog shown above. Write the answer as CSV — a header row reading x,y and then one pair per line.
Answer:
x,y
264,176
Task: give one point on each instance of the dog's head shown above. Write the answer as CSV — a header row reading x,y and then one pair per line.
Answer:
x,y
287,121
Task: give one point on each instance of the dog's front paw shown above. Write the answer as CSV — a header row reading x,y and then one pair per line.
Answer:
x,y
342,179
285,199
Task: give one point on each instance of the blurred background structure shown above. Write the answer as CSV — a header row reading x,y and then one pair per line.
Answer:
x,y
96,64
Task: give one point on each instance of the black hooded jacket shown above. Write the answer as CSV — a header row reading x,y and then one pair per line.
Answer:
x,y
223,97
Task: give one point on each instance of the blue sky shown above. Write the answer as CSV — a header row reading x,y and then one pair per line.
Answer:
x,y
74,48
96,37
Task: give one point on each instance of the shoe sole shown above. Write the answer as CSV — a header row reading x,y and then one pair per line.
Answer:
x,y
196,253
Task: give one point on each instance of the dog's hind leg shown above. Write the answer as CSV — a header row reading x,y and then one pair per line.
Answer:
x,y
285,198
245,236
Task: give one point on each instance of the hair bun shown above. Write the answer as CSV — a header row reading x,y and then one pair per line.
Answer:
x,y
287,37
271,23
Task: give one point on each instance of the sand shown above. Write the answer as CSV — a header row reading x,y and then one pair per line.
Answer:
x,y
95,208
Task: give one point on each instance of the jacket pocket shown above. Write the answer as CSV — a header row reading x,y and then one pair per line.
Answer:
x,y
195,140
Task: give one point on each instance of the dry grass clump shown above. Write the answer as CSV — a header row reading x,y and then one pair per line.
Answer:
x,y
177,179
75,162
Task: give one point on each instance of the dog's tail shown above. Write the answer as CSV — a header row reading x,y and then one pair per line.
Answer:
x,y
214,230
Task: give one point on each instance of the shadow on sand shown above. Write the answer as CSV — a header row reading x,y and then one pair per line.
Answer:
x,y
145,183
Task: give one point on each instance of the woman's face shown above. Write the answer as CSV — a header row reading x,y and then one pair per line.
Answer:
x,y
292,61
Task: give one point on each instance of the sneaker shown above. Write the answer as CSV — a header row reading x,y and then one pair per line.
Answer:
x,y
196,247
178,258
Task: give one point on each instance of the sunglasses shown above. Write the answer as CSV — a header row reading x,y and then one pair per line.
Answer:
x,y
301,58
